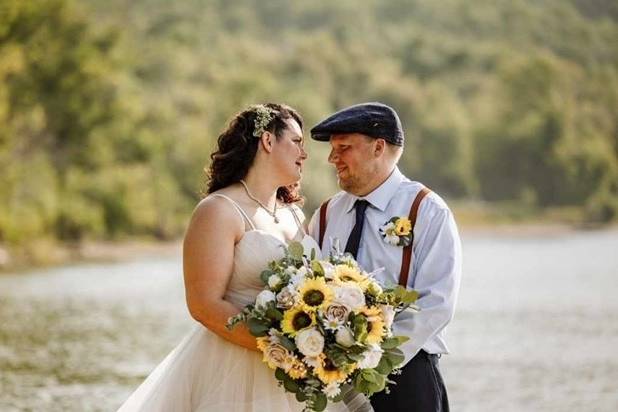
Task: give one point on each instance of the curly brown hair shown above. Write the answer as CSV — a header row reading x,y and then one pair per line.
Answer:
x,y
237,146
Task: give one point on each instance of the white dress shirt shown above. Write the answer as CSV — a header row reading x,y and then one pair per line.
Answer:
x,y
436,255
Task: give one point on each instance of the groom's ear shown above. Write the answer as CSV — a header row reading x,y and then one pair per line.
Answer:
x,y
379,148
267,141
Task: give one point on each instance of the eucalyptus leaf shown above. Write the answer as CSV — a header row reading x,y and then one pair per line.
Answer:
x,y
290,385
384,367
295,249
368,375
395,356
287,343
265,275
301,396
317,268
393,342
319,402
274,314
280,374
257,327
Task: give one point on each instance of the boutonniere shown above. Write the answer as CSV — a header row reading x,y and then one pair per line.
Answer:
x,y
397,231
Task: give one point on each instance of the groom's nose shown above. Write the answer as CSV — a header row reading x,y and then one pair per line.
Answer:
x,y
332,156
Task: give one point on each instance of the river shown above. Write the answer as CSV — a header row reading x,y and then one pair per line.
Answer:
x,y
536,327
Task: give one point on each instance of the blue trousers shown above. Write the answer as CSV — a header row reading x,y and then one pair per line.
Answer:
x,y
419,388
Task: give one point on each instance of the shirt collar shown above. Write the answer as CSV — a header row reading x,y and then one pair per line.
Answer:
x,y
381,195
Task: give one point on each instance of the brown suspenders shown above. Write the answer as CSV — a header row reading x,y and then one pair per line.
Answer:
x,y
322,222
406,259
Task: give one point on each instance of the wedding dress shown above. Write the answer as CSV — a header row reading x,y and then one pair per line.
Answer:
x,y
208,373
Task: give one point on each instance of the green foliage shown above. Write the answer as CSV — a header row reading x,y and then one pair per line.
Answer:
x,y
369,381
109,109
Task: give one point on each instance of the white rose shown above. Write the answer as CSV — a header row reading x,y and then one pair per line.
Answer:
x,y
290,270
264,297
310,342
392,239
329,269
371,358
350,295
388,313
273,281
297,280
344,337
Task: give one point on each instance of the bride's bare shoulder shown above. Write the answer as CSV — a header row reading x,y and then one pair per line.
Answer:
x,y
216,212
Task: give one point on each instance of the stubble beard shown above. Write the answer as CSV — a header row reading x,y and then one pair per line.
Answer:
x,y
357,184
350,184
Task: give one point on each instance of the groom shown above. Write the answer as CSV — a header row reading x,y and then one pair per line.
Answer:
x,y
366,143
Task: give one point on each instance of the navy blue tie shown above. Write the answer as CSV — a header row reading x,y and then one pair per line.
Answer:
x,y
357,230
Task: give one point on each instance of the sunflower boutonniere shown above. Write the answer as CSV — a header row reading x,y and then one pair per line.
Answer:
x,y
397,231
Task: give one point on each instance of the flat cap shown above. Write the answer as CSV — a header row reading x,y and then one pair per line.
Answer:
x,y
372,119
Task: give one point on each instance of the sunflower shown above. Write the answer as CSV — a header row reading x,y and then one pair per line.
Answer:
x,y
315,294
403,226
375,324
327,372
296,319
345,273
298,370
262,342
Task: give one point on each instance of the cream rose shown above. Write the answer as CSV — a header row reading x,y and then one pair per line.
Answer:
x,y
329,269
273,281
310,342
286,298
336,315
371,358
344,337
264,297
388,313
350,295
277,356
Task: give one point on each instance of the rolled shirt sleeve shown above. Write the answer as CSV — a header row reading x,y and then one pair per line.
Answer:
x,y
436,275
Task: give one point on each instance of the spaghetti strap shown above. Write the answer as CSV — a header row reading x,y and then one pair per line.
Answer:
x,y
297,219
238,208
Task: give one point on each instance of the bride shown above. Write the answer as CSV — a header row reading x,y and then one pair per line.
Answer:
x,y
249,214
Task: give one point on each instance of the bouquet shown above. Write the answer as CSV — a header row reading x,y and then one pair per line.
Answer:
x,y
323,324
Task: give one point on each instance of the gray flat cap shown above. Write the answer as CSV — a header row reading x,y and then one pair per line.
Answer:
x,y
372,119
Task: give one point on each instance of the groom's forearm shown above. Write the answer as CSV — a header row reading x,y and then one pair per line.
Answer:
x,y
420,327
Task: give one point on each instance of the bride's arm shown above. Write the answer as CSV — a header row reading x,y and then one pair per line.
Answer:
x,y
208,261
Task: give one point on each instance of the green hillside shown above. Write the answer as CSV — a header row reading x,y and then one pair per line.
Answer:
x,y
109,109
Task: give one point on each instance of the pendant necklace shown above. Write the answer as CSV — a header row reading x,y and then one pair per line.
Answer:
x,y
273,213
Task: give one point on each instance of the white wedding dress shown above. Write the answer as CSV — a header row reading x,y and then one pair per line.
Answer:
x,y
208,373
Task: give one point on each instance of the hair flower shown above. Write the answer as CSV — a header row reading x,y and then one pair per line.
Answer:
x,y
263,116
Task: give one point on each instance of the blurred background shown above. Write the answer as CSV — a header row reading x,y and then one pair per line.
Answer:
x,y
109,111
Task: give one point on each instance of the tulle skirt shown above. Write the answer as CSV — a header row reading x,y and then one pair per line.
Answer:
x,y
207,373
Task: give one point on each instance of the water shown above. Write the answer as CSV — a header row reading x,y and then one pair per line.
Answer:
x,y
536,328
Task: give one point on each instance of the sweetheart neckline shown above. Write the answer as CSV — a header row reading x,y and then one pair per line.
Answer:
x,y
305,235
